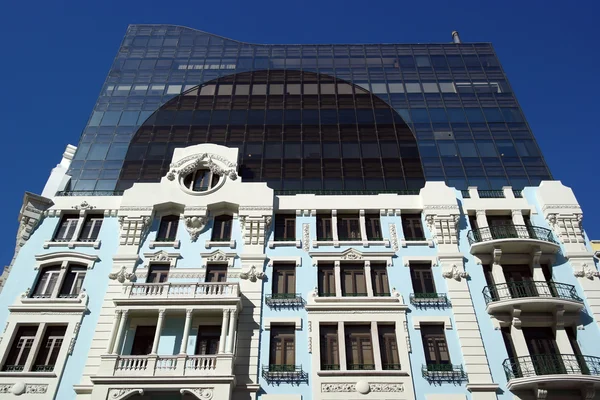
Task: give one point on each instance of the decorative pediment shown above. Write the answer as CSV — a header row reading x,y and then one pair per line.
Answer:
x,y
218,256
162,256
351,254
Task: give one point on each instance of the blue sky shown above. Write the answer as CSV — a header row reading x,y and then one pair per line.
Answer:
x,y
57,53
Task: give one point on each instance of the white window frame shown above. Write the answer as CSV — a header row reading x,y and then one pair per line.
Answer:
x,y
94,218
74,241
45,271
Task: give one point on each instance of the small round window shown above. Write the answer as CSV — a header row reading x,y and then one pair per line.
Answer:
x,y
201,180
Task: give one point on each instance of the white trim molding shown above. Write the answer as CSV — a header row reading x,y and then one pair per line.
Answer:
x,y
62,256
162,256
352,255
285,259
406,260
418,321
295,321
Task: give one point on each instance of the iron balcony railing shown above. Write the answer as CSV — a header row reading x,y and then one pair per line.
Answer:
x,y
284,373
361,367
330,367
518,193
443,372
388,366
429,299
521,289
65,193
491,194
551,364
284,300
510,232
415,238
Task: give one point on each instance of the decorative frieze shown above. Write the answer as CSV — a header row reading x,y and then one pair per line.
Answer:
x,y
394,237
133,230
362,387
306,237
121,393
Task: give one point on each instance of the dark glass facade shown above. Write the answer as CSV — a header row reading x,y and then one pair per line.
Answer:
x,y
309,117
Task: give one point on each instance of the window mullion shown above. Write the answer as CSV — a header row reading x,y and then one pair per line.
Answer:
x,y
35,347
64,268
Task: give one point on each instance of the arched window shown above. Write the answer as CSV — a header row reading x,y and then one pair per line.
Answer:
x,y
47,282
201,180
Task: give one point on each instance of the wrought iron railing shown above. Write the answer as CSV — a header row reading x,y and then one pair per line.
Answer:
x,y
518,193
221,239
389,367
510,232
43,368
346,192
13,368
284,373
443,372
326,294
551,364
350,237
284,300
330,367
381,294
491,194
520,289
361,367
465,194
429,299
65,193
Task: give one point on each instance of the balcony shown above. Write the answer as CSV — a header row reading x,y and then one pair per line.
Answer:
x,y
425,300
284,300
531,296
276,373
512,239
443,373
178,365
177,293
553,371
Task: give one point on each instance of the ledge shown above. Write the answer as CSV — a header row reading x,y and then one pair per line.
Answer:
x,y
482,387
211,243
28,374
363,372
286,243
357,242
157,243
406,243
71,245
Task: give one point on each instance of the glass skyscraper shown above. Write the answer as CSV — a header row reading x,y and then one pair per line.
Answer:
x,y
309,117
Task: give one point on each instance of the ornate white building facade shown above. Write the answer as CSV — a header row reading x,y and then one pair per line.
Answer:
x,y
205,286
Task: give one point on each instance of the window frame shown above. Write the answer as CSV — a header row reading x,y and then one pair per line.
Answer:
x,y
287,223
72,221
326,280
435,333
362,333
171,223
222,228
324,227
417,270
353,271
285,334
345,224
388,346
373,227
287,270
380,280
93,219
411,225
329,350
217,270
80,270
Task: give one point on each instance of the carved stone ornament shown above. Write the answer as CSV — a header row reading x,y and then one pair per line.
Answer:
x,y
84,206
387,387
455,273
338,387
305,237
123,393
201,393
204,160
587,272
352,255
19,388
253,274
122,275
194,226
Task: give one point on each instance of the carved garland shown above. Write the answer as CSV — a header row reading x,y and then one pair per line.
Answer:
x,y
194,226
253,274
203,160
455,273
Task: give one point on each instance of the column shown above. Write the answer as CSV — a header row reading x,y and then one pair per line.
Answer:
x,y
342,346
232,328
368,279
376,348
334,230
59,281
541,286
159,324
186,331
119,337
519,223
481,219
519,343
113,330
500,289
224,325
338,279
363,228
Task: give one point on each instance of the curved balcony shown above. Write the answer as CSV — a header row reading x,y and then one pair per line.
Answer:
x,y
552,371
512,239
531,296
179,293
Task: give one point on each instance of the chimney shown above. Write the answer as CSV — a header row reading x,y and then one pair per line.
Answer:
x,y
455,37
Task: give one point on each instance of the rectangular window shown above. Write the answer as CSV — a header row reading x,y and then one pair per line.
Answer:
x,y
207,342
159,273
284,281
373,225
436,348
412,227
282,356
216,273
73,282
49,349
20,349
326,281
222,228
167,231
330,359
285,228
46,282
324,230
359,347
353,280
91,228
143,340
388,347
422,279
66,228
379,278
348,227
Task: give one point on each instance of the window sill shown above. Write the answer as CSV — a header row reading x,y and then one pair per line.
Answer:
x,y
357,242
275,243
159,243
370,372
72,245
427,242
212,243
29,374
